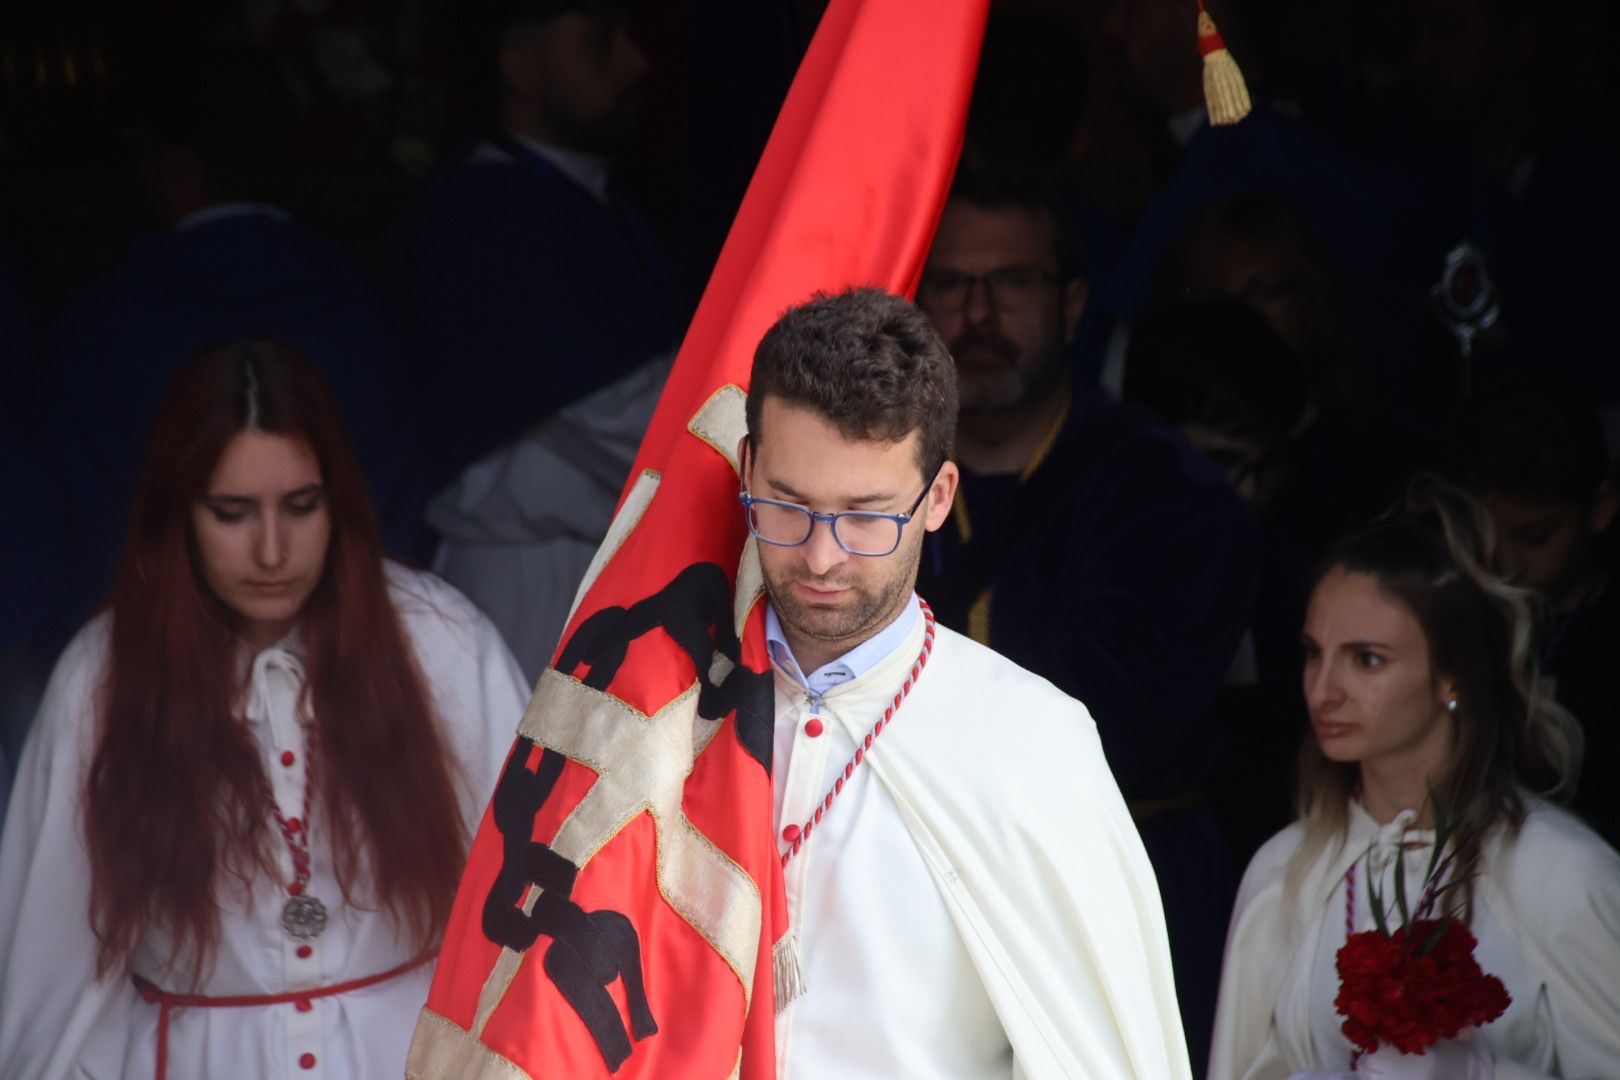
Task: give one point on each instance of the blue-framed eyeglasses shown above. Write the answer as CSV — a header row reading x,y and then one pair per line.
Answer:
x,y
858,532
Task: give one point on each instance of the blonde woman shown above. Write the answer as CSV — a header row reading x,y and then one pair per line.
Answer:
x,y
1421,687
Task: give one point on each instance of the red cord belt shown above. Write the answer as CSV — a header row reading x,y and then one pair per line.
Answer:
x,y
167,1001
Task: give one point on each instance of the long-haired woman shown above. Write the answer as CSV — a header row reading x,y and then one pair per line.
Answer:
x,y
1424,703
241,815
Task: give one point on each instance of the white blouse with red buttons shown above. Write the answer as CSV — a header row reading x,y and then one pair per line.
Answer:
x,y
58,1020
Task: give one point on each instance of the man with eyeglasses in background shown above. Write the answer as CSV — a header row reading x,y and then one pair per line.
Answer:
x,y
1090,544
965,891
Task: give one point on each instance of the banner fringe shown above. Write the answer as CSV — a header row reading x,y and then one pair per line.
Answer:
x,y
785,965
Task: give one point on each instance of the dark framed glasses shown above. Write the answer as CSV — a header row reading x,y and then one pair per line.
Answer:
x,y
1008,288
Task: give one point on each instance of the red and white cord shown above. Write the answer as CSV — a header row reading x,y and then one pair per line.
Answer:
x,y
295,831
799,835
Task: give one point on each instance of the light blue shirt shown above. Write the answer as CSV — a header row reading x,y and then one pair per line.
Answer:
x,y
852,665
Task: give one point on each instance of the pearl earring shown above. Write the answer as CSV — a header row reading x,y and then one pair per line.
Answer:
x,y
1451,706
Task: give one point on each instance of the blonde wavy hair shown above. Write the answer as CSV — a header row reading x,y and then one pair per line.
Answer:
x,y
1437,555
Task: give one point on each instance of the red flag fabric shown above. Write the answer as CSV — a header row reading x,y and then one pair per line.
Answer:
x,y
623,896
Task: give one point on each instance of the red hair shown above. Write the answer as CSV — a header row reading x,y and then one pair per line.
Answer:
x,y
176,795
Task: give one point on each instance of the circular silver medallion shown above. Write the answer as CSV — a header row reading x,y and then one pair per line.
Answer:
x,y
303,917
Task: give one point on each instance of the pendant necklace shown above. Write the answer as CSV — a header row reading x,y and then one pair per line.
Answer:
x,y
303,916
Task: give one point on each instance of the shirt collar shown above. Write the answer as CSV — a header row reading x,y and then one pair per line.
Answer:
x,y
589,171
848,667
220,211
1187,123
276,674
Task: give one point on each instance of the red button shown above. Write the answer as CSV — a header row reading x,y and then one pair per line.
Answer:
x,y
295,889
303,1005
307,1061
304,952
813,727
288,757
294,824
791,833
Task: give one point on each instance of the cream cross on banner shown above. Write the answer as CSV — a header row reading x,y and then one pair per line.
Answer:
x,y
642,761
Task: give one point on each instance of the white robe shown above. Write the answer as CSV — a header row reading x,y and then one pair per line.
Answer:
x,y
521,526
58,1020
1547,916
990,787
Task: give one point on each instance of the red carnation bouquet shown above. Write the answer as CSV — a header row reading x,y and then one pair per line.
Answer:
x,y
1415,986
1420,983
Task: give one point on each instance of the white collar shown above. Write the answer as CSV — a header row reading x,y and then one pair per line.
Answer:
x,y
220,211
589,171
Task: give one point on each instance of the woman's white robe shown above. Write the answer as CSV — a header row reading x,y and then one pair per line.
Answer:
x,y
58,1020
1547,916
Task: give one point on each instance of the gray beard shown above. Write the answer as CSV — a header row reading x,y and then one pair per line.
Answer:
x,y
1015,388
1000,394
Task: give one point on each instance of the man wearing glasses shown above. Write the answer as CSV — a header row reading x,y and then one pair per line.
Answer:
x,y
1091,545
966,892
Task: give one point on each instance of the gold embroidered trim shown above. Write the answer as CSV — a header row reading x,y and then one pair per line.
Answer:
x,y
978,627
642,763
979,619
722,422
750,585
441,1050
624,523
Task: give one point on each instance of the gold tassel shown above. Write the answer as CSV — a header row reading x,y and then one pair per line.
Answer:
x,y
785,968
1225,93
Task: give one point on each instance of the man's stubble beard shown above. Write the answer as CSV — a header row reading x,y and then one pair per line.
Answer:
x,y
869,615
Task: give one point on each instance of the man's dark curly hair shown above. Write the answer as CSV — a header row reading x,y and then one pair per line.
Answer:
x,y
868,362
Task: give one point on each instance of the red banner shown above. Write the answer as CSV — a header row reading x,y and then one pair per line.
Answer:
x,y
623,894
